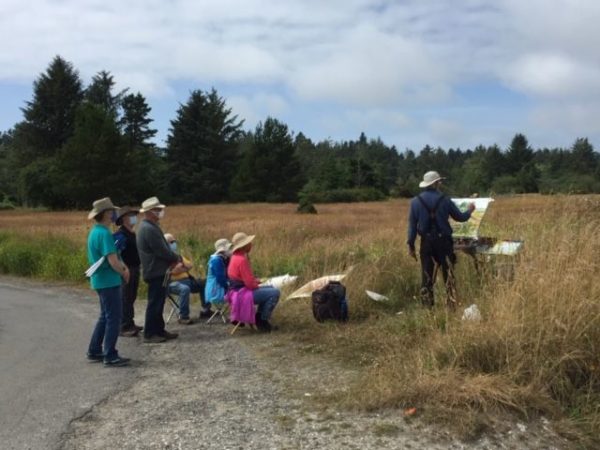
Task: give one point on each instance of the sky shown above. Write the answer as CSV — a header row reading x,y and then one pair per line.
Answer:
x,y
413,72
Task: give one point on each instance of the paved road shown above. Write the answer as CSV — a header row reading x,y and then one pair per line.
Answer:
x,y
45,381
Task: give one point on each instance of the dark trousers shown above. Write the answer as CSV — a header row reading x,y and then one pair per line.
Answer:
x,y
129,296
155,323
440,251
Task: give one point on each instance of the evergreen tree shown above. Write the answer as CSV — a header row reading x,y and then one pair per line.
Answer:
x,y
583,159
519,154
202,149
135,121
93,163
50,116
99,92
269,170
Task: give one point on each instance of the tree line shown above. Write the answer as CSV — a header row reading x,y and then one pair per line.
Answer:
x,y
78,142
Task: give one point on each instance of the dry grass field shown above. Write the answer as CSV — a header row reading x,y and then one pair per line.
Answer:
x,y
535,353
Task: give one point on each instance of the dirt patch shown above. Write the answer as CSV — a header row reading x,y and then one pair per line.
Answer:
x,y
212,390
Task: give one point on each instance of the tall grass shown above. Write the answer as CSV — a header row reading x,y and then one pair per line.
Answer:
x,y
536,351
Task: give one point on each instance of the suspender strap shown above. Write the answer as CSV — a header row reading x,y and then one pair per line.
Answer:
x,y
433,225
433,211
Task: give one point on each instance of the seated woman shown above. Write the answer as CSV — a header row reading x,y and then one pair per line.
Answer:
x,y
216,273
240,275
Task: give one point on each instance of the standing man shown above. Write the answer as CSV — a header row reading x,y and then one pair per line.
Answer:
x,y
127,247
106,280
157,257
429,213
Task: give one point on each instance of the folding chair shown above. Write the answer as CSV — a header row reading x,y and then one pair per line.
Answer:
x,y
175,308
221,308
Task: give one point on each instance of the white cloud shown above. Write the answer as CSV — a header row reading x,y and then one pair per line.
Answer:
x,y
357,55
257,107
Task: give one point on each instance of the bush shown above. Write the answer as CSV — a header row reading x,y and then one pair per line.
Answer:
x,y
47,257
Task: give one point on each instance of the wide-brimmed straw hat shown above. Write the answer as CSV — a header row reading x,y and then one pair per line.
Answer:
x,y
222,245
151,203
101,205
126,210
240,240
429,178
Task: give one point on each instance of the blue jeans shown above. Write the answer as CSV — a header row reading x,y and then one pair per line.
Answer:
x,y
154,324
182,288
106,331
266,298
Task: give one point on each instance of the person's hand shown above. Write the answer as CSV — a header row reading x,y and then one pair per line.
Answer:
x,y
126,275
471,207
412,253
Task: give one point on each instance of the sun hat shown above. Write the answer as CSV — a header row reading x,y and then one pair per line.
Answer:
x,y
151,203
126,210
222,245
429,178
101,205
240,240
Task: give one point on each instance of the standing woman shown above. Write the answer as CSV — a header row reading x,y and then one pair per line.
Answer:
x,y
127,247
106,280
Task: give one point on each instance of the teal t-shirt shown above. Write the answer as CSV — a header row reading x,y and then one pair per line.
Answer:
x,y
101,243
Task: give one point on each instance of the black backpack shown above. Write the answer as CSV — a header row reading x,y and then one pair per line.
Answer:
x,y
330,303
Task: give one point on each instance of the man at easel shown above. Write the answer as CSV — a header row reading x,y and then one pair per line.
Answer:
x,y
429,214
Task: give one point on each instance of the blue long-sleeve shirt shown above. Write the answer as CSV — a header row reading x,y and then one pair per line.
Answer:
x,y
217,267
418,219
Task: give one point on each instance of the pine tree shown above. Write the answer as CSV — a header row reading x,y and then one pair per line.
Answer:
x,y
202,149
99,93
269,169
93,163
50,115
135,121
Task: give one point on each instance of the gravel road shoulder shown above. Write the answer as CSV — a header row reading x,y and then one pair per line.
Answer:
x,y
208,389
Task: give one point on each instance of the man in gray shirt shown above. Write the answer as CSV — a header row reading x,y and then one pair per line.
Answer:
x,y
156,257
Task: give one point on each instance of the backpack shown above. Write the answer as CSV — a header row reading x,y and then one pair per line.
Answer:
x,y
330,303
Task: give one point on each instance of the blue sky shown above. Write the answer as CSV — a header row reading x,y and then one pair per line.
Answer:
x,y
413,72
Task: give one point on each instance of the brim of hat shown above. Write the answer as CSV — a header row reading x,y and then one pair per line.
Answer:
x,y
243,243
424,184
130,210
161,206
93,213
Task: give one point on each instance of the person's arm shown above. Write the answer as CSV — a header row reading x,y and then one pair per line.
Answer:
x,y
457,214
108,249
247,276
184,266
218,269
118,266
412,229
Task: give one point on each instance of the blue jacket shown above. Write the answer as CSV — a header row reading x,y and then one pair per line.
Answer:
x,y
418,219
216,279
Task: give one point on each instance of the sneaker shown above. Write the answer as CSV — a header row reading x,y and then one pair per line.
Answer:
x,y
168,336
137,327
95,357
186,321
117,362
156,339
